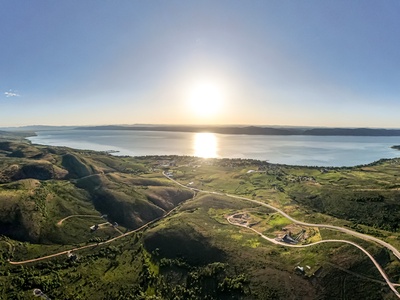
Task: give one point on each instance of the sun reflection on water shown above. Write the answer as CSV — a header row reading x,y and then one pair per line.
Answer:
x,y
205,145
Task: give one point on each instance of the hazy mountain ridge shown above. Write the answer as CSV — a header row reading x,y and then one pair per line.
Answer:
x,y
221,129
14,134
352,132
255,130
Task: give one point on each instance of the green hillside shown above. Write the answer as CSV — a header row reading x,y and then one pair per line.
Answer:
x,y
40,185
52,198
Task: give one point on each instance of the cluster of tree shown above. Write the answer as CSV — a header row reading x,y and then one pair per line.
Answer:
x,y
211,281
355,226
28,279
355,206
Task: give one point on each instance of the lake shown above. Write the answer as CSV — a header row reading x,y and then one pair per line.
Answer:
x,y
293,150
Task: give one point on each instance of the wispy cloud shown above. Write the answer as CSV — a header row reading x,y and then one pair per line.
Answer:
x,y
11,93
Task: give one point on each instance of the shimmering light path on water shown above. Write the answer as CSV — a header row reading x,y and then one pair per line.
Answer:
x,y
294,150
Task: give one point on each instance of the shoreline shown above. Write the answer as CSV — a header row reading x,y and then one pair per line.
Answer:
x,y
119,153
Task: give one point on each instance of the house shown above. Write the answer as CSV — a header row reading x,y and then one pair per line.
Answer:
x,y
299,270
288,239
94,228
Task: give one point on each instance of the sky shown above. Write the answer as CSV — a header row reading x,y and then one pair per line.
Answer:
x,y
328,63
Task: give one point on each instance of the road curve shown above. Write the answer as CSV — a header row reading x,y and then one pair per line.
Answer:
x,y
91,245
345,230
10,246
389,283
59,223
348,231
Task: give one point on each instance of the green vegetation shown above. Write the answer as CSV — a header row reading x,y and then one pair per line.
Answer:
x,y
51,196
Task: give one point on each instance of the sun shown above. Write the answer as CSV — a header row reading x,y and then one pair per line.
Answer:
x,y
206,99
205,144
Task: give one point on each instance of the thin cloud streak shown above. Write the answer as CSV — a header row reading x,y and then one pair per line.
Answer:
x,y
11,94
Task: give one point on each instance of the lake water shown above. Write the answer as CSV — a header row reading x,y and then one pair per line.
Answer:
x,y
293,150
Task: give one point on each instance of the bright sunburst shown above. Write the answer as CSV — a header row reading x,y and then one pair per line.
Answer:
x,y
205,145
206,99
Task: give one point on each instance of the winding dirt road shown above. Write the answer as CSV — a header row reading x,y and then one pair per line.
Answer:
x,y
380,269
345,230
333,227
91,245
59,223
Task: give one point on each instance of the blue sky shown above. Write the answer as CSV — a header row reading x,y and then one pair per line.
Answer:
x,y
312,63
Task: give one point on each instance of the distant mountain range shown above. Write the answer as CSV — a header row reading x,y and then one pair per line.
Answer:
x,y
231,129
7,134
255,130
36,128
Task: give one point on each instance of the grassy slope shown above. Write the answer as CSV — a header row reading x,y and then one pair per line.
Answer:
x,y
194,253
41,185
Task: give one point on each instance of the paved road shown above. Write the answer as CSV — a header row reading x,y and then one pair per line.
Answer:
x,y
345,230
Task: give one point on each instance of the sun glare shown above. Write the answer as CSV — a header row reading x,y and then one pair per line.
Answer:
x,y
205,145
206,99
